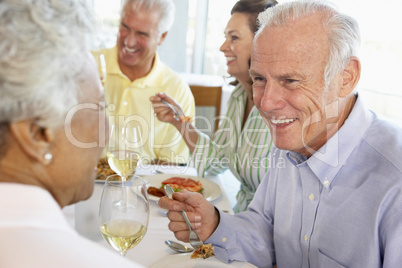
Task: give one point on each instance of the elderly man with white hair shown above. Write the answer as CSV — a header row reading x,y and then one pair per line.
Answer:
x,y
135,72
336,201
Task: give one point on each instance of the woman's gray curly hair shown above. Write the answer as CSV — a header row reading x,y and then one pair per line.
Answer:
x,y
41,59
343,30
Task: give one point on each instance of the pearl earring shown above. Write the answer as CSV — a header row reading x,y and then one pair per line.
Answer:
x,y
48,157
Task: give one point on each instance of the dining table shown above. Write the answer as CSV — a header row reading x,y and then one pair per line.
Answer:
x,y
151,251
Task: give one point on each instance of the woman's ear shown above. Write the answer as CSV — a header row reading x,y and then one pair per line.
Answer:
x,y
34,140
350,77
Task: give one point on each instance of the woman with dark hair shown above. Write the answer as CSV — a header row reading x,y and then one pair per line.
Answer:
x,y
243,141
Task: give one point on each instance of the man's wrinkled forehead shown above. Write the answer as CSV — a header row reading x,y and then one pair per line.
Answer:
x,y
304,38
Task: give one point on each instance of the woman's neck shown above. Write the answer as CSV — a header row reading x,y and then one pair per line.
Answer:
x,y
249,101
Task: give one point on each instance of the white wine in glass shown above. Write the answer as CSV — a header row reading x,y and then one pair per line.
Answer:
x,y
124,212
124,149
123,235
123,162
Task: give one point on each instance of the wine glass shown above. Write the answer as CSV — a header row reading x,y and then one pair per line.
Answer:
x,y
124,148
124,212
101,63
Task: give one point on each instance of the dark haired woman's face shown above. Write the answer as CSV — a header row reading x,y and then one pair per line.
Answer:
x,y
237,46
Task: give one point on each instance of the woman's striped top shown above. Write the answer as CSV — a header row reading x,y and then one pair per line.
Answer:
x,y
244,151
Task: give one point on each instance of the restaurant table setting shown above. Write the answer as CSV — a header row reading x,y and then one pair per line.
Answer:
x,y
152,250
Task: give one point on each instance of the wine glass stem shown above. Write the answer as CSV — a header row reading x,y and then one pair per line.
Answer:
x,y
124,193
123,182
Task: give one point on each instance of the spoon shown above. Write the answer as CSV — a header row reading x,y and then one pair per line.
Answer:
x,y
195,241
178,247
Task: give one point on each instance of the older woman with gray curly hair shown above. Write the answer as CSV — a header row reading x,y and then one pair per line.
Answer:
x,y
51,123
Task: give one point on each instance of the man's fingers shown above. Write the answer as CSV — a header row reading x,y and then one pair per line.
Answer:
x,y
178,226
182,236
192,216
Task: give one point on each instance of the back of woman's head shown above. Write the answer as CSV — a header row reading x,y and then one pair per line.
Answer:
x,y
41,62
252,8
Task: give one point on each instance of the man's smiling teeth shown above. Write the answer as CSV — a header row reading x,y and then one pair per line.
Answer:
x,y
130,50
282,121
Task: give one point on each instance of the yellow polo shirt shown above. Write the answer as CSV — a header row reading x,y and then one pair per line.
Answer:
x,y
160,140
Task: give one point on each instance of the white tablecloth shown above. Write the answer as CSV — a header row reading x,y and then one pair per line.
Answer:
x,y
84,217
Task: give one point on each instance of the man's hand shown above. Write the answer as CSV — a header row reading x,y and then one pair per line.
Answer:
x,y
202,214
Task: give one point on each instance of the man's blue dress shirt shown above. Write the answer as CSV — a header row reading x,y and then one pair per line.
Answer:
x,y
342,207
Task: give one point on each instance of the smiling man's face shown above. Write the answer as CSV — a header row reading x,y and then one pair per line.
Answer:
x,y
138,39
287,69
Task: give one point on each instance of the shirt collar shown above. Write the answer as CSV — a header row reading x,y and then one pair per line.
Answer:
x,y
152,79
112,62
330,158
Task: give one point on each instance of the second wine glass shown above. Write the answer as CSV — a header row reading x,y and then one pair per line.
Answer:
x,y
124,149
124,212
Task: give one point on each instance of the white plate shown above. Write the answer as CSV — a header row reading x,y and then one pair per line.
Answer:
x,y
211,190
185,261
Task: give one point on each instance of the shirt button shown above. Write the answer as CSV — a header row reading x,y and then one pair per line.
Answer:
x,y
224,239
306,238
311,197
111,107
326,183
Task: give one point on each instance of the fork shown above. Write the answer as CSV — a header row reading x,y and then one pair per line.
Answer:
x,y
194,240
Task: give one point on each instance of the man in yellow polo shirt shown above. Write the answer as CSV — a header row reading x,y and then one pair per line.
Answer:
x,y
134,73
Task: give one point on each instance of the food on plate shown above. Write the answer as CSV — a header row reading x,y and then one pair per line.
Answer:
x,y
185,119
159,192
104,169
177,184
204,251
